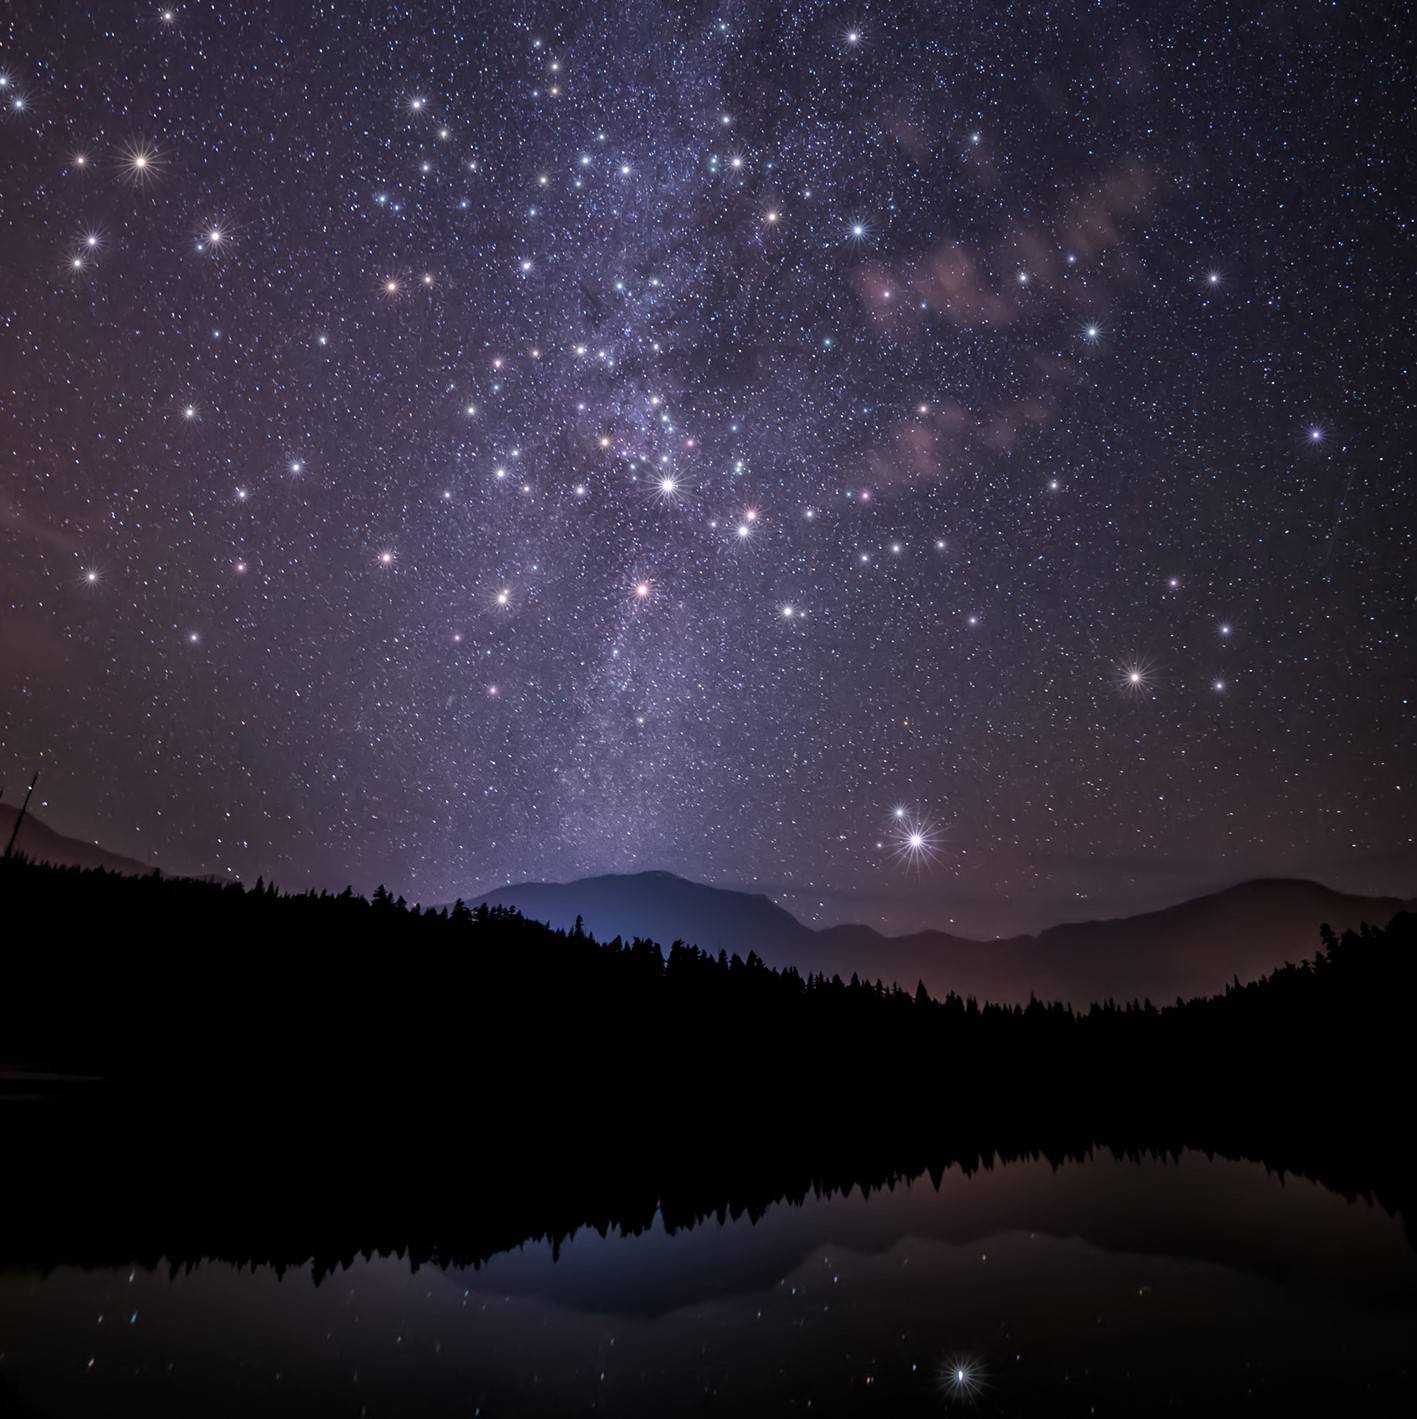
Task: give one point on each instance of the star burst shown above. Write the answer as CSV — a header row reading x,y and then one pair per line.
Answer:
x,y
915,840
1136,677
141,161
962,1379
668,489
214,237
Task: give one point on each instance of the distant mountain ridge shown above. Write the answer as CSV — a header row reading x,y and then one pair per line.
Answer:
x,y
40,843
1196,947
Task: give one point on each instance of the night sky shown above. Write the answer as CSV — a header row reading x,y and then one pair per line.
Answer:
x,y
940,464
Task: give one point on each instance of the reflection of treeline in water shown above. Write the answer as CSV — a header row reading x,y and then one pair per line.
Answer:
x,y
164,1204
310,1033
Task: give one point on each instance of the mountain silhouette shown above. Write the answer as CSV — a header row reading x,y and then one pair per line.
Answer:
x,y
40,843
663,907
1196,947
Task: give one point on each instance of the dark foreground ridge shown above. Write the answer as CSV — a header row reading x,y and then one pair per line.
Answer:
x,y
273,1078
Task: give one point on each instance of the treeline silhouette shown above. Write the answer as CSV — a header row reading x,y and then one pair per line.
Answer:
x,y
136,976
308,1052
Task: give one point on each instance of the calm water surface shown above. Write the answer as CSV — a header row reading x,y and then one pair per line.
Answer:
x,y
1105,1287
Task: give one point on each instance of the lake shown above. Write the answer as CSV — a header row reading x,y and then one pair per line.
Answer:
x,y
1105,1286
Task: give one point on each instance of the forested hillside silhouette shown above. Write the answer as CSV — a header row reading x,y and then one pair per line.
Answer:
x,y
1193,947
140,976
297,1053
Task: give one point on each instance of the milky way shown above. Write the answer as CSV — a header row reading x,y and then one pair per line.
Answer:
x,y
939,464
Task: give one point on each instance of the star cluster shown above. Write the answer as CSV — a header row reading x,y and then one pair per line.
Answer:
x,y
451,446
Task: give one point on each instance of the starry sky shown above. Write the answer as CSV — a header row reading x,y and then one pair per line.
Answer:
x,y
938,464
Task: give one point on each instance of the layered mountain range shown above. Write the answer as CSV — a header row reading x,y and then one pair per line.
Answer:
x,y
1196,947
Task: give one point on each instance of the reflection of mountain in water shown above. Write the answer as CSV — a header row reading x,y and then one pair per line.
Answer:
x,y
331,1200
1222,1212
1102,1284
